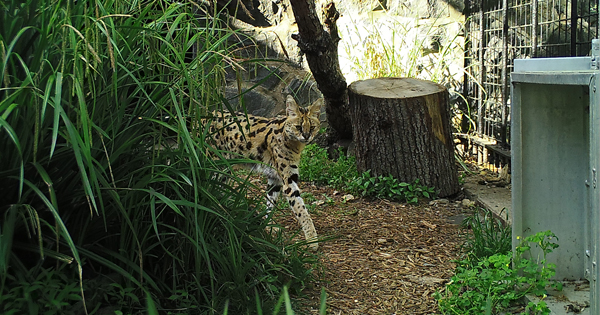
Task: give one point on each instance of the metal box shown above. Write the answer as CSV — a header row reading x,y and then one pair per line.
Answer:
x,y
555,145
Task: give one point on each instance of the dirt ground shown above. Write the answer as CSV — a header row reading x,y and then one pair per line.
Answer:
x,y
385,257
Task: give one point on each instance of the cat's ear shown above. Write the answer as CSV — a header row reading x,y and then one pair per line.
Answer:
x,y
315,108
291,106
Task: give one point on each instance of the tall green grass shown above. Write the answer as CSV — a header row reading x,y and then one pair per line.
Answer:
x,y
393,46
98,190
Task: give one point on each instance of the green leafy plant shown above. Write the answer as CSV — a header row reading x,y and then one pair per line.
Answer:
x,y
487,235
390,188
495,282
41,290
315,166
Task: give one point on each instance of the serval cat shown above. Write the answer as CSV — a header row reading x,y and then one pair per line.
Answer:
x,y
277,143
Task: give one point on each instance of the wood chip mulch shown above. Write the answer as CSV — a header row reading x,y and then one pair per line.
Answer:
x,y
385,257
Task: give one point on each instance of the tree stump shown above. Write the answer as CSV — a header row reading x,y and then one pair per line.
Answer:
x,y
401,127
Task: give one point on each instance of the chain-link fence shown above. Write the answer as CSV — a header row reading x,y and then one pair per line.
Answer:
x,y
499,31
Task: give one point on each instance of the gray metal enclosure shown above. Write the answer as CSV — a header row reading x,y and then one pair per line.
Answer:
x,y
555,136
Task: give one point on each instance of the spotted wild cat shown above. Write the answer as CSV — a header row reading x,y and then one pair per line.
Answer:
x,y
277,142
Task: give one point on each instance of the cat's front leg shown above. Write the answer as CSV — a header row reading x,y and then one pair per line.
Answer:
x,y
292,193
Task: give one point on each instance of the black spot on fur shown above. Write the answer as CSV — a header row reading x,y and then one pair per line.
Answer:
x,y
277,131
292,203
261,130
288,190
269,132
241,147
295,194
249,145
291,149
273,190
299,215
252,134
294,166
293,179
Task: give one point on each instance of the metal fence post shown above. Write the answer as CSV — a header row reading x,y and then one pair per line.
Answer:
x,y
504,95
574,18
534,25
481,70
466,62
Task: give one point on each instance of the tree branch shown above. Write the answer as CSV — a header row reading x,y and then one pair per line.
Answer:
x,y
320,47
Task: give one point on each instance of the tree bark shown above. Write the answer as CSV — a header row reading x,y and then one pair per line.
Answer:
x,y
320,46
402,128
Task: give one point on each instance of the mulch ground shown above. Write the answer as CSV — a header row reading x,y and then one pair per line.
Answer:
x,y
384,257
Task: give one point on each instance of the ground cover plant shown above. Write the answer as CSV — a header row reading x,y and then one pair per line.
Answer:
x,y
315,166
489,236
491,278
103,197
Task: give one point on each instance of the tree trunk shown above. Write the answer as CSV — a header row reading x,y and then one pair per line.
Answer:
x,y
402,128
320,46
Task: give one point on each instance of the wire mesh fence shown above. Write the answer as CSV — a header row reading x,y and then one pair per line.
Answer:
x,y
499,31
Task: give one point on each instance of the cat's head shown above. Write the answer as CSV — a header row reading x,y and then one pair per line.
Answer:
x,y
302,124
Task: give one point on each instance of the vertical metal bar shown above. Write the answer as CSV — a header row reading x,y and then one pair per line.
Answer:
x,y
597,19
593,199
574,18
504,87
467,52
534,25
467,56
481,71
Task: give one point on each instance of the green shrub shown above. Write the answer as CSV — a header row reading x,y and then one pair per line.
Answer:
x,y
90,176
496,282
391,188
42,290
315,166
488,236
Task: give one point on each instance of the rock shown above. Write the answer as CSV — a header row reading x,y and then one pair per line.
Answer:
x,y
346,198
442,201
427,280
467,203
257,102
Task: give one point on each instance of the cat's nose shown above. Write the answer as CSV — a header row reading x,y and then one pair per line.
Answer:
x,y
306,136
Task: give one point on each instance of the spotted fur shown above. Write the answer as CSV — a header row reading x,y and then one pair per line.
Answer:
x,y
276,142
